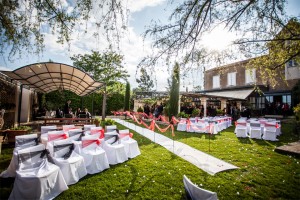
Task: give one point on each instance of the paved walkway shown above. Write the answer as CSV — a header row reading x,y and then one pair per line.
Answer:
x,y
291,148
202,160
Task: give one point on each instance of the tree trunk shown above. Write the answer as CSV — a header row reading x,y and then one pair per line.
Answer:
x,y
104,104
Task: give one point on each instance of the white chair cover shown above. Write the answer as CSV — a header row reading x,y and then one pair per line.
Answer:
x,y
68,127
131,145
70,163
255,130
181,126
110,128
196,193
87,128
97,130
22,141
241,129
95,158
37,178
270,132
115,151
46,129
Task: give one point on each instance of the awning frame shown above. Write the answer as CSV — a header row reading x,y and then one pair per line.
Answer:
x,y
50,76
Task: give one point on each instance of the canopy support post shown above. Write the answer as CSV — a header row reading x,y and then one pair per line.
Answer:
x,y
20,104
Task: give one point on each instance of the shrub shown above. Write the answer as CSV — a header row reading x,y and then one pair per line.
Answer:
x,y
25,128
195,112
107,122
183,115
297,112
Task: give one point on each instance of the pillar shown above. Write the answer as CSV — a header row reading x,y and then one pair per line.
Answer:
x,y
203,102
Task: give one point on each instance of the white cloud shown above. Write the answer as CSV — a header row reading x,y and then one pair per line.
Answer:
x,y
5,69
135,6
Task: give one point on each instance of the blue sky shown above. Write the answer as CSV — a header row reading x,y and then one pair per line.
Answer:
x,y
132,46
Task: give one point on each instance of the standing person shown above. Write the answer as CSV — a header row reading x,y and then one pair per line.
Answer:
x,y
147,109
67,107
88,114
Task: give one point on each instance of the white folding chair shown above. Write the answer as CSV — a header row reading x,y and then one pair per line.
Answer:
x,y
70,163
95,158
270,131
110,128
96,130
68,127
115,151
194,192
255,130
75,135
37,178
46,129
22,142
131,145
87,128
181,126
241,129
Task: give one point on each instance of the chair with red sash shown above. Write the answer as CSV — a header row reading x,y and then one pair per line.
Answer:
x,y
182,125
95,158
71,164
114,149
270,132
131,145
255,130
96,130
87,128
241,128
44,133
37,177
110,128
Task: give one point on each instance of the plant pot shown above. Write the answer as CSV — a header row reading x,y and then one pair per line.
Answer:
x,y
11,134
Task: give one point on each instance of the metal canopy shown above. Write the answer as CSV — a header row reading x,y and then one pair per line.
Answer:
x,y
49,76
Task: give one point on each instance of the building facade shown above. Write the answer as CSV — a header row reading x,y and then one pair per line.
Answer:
x,y
234,79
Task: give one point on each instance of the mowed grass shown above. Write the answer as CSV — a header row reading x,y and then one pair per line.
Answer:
x,y
158,173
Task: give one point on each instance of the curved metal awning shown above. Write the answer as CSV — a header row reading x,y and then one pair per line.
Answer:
x,y
49,76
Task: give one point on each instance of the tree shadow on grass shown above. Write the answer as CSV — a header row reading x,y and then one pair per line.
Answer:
x,y
244,140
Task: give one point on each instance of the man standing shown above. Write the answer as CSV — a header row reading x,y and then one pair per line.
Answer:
x,y
67,107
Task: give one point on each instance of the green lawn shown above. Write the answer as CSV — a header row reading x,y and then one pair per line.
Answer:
x,y
158,173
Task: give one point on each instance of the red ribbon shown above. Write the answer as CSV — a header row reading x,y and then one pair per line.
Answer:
x,y
86,143
121,135
95,131
52,137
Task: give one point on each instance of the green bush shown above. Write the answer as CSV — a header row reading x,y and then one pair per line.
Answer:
x,y
183,115
107,122
195,112
297,112
25,128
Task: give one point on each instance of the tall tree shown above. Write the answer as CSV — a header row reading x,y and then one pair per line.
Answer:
x,y
257,23
174,91
23,24
127,97
145,82
106,67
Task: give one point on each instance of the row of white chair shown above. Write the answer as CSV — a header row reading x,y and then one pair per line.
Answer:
x,y
266,130
211,125
64,158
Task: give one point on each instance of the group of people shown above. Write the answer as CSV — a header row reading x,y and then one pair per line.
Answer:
x,y
156,110
67,112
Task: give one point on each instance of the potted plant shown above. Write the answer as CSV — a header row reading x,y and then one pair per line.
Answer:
x,y
97,121
107,122
15,131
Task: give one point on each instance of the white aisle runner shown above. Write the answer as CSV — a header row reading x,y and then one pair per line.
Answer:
x,y
202,160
